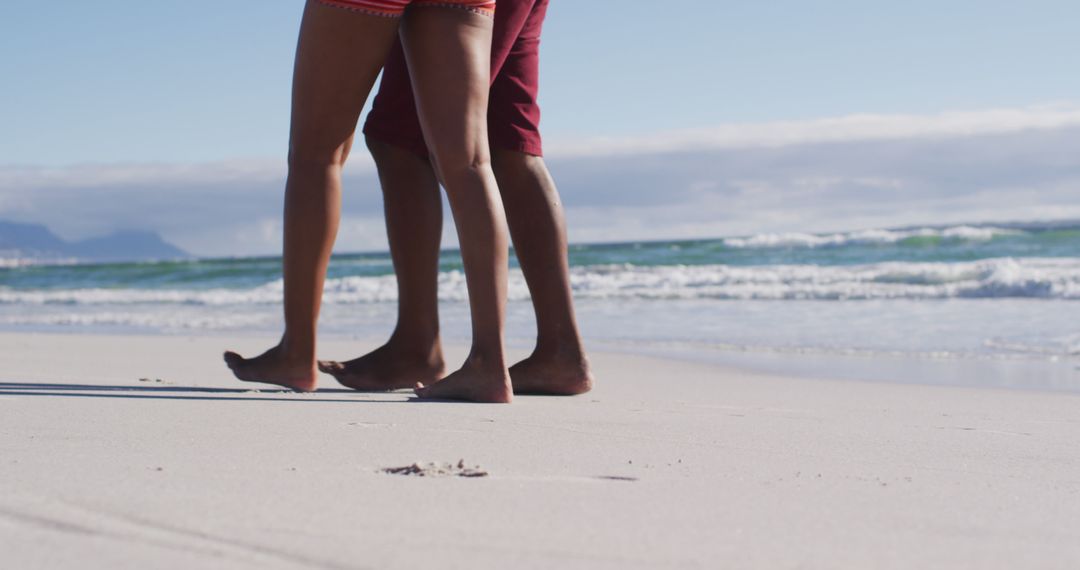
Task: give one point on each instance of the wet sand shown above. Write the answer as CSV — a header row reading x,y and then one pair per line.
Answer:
x,y
137,452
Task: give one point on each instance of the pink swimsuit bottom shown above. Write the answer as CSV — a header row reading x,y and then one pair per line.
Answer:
x,y
395,8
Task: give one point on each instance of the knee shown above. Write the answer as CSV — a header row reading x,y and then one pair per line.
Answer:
x,y
523,178
516,163
463,165
304,155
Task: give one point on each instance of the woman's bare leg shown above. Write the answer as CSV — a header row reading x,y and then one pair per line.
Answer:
x,y
338,57
449,56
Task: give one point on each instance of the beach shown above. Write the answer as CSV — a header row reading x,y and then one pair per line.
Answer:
x,y
142,451
1000,294
819,281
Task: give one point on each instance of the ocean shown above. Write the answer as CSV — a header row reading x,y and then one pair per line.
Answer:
x,y
999,300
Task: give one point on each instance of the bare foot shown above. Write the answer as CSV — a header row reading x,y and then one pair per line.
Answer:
x,y
473,382
273,367
387,368
554,375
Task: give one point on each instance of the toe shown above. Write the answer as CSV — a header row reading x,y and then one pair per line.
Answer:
x,y
329,366
232,358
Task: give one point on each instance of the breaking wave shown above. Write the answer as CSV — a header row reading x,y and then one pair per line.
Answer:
x,y
1041,278
916,236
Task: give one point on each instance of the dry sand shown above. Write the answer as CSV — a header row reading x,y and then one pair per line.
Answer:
x,y
665,465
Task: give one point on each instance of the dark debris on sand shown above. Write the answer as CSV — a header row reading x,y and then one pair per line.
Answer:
x,y
437,470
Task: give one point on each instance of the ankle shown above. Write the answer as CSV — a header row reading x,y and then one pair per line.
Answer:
x,y
423,347
566,349
487,360
297,352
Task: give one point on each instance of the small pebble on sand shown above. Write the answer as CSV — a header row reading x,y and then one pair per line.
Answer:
x,y
433,469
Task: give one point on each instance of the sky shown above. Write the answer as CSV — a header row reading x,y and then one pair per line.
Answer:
x,y
721,116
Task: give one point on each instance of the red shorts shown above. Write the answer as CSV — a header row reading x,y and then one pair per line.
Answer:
x,y
396,8
513,113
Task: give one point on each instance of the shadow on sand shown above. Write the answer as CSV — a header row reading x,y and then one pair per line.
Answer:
x,y
170,392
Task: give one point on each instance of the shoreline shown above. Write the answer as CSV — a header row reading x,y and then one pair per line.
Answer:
x,y
140,451
1012,372
1020,372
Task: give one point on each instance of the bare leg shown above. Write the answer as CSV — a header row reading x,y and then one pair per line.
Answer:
x,y
414,219
538,228
338,57
413,205
443,46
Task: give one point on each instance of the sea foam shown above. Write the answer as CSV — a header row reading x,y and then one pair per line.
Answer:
x,y
1043,278
865,237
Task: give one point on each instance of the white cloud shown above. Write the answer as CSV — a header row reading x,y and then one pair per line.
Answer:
x,y
213,208
861,127
822,175
241,171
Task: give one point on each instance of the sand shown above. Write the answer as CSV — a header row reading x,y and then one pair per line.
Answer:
x,y
142,452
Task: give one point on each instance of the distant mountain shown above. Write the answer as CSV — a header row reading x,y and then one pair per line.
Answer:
x,y
29,240
35,241
127,245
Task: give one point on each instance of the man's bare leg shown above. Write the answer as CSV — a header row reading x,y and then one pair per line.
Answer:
x,y
338,57
442,46
535,214
413,207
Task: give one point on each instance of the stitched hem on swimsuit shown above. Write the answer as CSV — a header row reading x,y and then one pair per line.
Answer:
x,y
359,10
473,9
